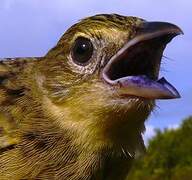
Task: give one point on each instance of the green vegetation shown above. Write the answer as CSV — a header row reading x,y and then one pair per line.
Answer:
x,y
169,156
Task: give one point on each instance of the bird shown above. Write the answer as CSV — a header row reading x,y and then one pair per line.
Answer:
x,y
79,112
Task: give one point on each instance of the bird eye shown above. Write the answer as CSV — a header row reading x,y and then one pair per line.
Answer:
x,y
82,50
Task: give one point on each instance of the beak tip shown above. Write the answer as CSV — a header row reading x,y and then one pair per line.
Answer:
x,y
176,95
179,31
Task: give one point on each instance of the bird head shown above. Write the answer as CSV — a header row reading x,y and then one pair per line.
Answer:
x,y
102,78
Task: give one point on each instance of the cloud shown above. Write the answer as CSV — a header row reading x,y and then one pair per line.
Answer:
x,y
149,133
173,126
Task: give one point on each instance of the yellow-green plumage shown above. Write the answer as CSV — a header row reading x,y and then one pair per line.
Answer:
x,y
60,121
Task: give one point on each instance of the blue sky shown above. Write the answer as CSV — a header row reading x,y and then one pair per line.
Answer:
x,y
32,27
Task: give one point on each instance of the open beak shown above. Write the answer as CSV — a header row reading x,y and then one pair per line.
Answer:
x,y
134,69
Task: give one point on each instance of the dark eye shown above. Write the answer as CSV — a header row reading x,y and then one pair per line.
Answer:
x,y
82,50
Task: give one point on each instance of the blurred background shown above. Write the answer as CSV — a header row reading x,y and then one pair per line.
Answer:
x,y
32,27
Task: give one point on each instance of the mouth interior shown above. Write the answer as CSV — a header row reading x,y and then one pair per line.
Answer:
x,y
143,58
134,70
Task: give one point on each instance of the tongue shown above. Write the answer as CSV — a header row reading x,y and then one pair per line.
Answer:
x,y
142,86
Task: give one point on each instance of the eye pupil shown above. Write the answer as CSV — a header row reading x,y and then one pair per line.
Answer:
x,y
82,50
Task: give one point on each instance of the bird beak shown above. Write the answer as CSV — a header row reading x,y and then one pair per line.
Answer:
x,y
134,69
